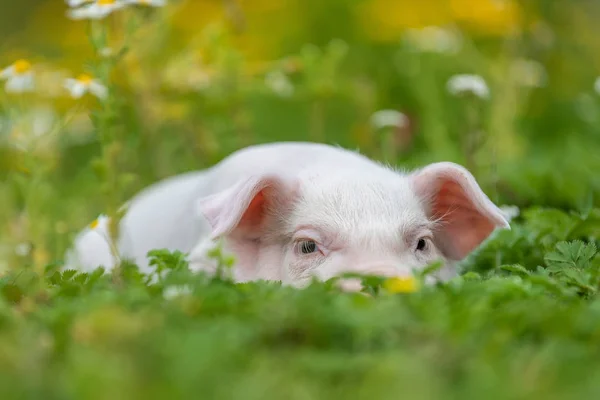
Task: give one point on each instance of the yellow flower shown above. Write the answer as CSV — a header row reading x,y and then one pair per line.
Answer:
x,y
21,66
100,222
19,77
392,17
94,224
401,285
41,257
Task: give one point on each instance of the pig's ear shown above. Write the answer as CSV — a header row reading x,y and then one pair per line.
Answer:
x,y
243,206
466,215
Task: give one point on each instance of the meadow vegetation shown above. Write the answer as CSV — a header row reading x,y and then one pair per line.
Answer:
x,y
100,99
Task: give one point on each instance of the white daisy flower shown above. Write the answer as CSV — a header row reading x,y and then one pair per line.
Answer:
x,y
173,291
106,52
474,84
42,120
18,76
434,39
388,118
149,3
23,249
597,85
279,83
30,127
83,84
101,226
96,10
77,3
529,73
99,223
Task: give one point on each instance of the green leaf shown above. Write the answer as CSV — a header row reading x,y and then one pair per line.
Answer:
x,y
12,293
431,268
575,254
55,278
68,274
472,276
516,268
81,278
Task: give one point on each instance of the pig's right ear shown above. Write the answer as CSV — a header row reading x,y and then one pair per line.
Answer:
x,y
453,198
244,206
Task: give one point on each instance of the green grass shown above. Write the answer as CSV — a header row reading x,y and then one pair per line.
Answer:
x,y
499,331
522,320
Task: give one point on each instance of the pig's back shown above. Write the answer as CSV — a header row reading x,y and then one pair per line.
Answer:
x,y
163,216
291,158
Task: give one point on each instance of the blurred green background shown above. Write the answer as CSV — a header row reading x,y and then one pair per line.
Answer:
x,y
201,78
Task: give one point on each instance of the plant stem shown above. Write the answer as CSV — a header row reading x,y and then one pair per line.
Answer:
x,y
317,120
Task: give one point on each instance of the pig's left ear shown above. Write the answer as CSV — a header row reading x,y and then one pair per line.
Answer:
x,y
243,207
466,215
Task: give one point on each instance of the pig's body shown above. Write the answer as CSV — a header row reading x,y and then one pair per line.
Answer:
x,y
163,216
267,199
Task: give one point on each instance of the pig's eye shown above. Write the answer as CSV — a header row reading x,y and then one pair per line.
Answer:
x,y
421,244
308,246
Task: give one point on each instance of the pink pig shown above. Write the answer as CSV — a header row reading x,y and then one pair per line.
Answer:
x,y
290,211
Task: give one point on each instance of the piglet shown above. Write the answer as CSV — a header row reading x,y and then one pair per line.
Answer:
x,y
291,211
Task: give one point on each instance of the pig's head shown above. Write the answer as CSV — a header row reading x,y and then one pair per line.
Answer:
x,y
324,224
